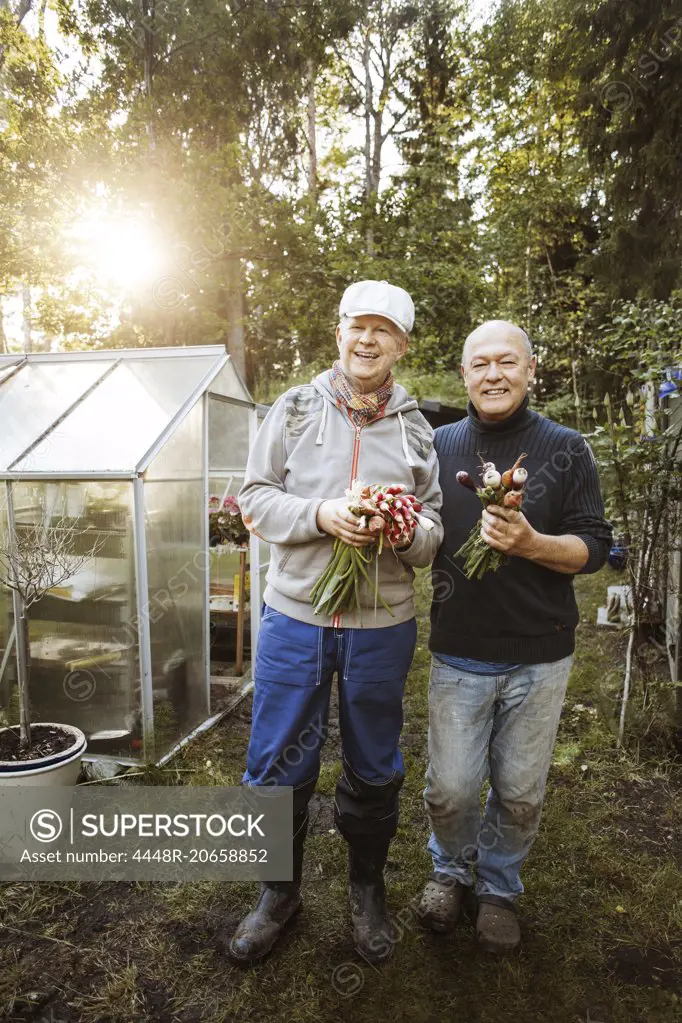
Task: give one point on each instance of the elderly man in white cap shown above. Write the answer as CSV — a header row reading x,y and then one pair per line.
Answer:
x,y
352,422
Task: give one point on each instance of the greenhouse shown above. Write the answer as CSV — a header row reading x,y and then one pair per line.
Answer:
x,y
121,449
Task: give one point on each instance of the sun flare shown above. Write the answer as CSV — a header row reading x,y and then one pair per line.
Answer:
x,y
121,252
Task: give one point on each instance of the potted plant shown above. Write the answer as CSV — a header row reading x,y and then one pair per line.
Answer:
x,y
35,558
227,535
225,523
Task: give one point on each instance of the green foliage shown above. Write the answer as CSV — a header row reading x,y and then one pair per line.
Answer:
x,y
520,186
639,449
628,59
561,409
639,341
445,387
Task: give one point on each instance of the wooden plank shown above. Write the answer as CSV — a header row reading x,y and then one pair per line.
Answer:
x,y
239,666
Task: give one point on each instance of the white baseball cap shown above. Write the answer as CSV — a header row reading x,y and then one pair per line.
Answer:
x,y
379,298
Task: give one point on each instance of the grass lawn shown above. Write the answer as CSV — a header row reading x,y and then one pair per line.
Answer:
x,y
602,913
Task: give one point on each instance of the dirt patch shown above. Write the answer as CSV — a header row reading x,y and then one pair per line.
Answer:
x,y
157,999
649,817
207,930
239,720
104,906
648,967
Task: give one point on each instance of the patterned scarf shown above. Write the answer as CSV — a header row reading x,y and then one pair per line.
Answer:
x,y
362,408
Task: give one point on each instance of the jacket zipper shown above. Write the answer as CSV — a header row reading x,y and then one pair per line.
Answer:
x,y
336,620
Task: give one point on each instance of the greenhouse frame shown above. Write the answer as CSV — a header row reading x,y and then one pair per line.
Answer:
x,y
123,448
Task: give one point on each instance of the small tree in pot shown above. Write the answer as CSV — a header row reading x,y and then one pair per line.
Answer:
x,y
34,558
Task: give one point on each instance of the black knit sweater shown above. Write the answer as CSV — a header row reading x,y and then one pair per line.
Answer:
x,y
523,613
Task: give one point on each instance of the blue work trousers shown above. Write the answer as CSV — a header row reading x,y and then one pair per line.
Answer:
x,y
295,664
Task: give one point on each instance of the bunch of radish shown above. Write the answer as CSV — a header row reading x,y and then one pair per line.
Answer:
x,y
505,489
393,515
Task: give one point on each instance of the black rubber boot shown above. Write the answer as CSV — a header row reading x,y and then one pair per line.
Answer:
x,y
374,935
278,903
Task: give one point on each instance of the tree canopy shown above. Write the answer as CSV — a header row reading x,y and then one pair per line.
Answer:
x,y
211,172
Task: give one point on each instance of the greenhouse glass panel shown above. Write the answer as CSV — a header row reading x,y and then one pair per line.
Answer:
x,y
33,399
178,459
228,384
7,367
109,431
84,651
171,382
228,435
177,564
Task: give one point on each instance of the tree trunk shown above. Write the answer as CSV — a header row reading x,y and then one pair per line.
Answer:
x,y
3,337
529,293
576,395
376,154
21,629
148,8
26,317
369,242
23,671
234,314
312,131
368,114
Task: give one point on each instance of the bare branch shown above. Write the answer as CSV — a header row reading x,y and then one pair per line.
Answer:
x,y
36,557
392,131
348,69
379,70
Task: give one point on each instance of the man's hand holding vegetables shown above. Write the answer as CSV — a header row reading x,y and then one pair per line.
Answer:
x,y
334,517
508,530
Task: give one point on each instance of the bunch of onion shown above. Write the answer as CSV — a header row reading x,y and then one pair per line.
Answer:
x,y
506,489
389,512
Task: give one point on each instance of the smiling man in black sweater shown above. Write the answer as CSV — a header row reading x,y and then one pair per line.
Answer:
x,y
502,647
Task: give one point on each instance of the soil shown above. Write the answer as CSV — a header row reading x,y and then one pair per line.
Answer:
x,y
46,740
646,817
650,967
118,952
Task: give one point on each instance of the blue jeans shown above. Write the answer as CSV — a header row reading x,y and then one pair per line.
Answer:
x,y
496,727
